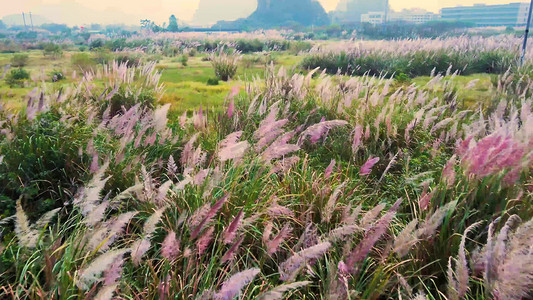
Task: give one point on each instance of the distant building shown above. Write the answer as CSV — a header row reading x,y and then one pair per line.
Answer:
x,y
373,17
481,15
416,16
351,11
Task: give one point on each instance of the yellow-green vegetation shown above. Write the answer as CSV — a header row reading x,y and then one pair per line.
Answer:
x,y
187,86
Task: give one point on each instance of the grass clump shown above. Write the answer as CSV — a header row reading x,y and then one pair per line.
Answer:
x,y
19,60
225,64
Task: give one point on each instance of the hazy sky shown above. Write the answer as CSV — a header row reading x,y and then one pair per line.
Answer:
x,y
77,12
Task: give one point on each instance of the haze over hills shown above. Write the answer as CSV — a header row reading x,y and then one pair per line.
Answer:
x,y
211,11
276,13
17,20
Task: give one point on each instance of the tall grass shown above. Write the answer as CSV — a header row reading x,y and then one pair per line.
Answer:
x,y
337,188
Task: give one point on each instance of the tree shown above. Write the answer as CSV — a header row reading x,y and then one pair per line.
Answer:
x,y
172,24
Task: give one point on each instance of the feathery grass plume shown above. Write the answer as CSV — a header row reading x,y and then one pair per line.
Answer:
x,y
371,237
389,165
114,228
342,232
92,272
332,201
284,165
366,168
370,216
113,274
199,215
26,235
509,260
138,249
458,280
150,225
429,227
229,255
229,148
357,137
204,240
329,169
170,247
90,195
277,292
162,192
448,172
187,154
209,215
406,239
172,168
275,210
229,233
232,287
97,214
273,245
316,131
350,218
425,199
160,117
106,292
289,268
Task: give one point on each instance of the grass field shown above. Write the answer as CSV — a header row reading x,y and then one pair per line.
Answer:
x,y
186,86
143,181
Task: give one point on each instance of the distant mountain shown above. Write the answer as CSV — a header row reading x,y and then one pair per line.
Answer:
x,y
17,20
279,13
350,11
211,11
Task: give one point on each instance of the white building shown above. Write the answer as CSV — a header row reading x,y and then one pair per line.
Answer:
x,y
374,17
416,16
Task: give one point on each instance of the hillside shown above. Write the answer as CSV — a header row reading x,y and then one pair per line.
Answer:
x,y
277,13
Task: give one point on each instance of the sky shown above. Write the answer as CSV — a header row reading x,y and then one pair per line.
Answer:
x,y
79,12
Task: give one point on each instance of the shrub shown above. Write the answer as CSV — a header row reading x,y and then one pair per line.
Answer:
x,y
82,61
19,60
130,59
17,77
184,59
52,50
225,64
212,81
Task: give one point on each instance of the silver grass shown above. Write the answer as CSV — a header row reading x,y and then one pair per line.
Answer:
x,y
277,292
138,249
106,292
92,272
233,286
406,239
160,117
28,234
343,232
289,268
151,223
370,216
429,227
330,205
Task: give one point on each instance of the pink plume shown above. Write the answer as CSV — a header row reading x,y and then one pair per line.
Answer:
x,y
367,167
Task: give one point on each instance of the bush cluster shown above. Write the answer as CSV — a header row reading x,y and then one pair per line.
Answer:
x,y
418,63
